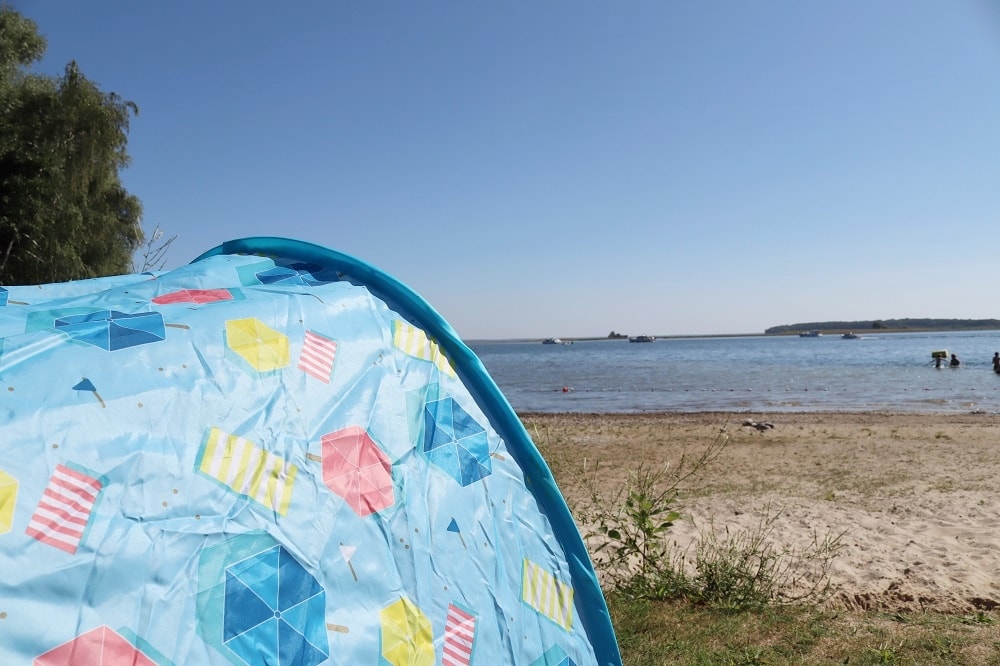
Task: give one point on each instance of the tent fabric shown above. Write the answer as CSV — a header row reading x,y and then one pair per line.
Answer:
x,y
276,454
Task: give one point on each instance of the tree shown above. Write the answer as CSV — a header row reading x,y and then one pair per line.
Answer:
x,y
64,213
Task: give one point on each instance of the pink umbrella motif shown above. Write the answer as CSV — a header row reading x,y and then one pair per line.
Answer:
x,y
356,469
197,296
98,647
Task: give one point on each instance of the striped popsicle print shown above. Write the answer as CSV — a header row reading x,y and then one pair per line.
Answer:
x,y
63,512
459,636
415,342
318,355
248,469
547,595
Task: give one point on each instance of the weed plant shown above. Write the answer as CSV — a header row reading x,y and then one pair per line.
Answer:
x,y
629,538
746,570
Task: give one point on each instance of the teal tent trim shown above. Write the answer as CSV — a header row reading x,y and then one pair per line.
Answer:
x,y
487,394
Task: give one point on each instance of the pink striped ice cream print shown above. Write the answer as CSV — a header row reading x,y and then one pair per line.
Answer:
x,y
459,634
318,354
64,509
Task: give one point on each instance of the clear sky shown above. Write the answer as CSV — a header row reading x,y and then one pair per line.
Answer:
x,y
573,167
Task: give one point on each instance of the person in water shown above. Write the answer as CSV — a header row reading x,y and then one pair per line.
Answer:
x,y
955,362
996,362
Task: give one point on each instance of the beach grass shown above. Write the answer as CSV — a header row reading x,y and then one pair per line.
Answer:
x,y
911,494
661,633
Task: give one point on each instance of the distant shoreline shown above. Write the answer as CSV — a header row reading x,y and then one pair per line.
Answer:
x,y
785,334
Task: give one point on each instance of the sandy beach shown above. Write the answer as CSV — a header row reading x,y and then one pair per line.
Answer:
x,y
914,495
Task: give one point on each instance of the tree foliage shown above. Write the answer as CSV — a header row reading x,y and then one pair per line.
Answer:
x,y
64,213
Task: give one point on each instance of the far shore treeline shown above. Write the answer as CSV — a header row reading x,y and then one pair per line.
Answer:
x,y
889,325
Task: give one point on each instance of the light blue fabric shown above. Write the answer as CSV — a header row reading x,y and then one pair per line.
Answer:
x,y
274,455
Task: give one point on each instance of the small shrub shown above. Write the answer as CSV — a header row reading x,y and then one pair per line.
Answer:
x,y
630,545
628,539
746,570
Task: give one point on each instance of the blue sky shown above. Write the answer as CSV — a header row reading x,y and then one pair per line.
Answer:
x,y
569,168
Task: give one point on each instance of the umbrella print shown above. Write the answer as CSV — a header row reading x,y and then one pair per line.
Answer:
x,y
5,295
102,646
299,274
356,469
274,611
554,656
256,343
87,385
112,330
197,296
455,442
406,635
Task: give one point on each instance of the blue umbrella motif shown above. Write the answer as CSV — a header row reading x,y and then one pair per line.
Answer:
x,y
5,298
113,330
296,274
455,442
274,611
554,656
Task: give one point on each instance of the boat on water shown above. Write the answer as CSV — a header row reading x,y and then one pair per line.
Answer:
x,y
552,341
815,333
850,336
642,338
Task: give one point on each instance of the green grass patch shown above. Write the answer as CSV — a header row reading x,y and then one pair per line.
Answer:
x,y
657,633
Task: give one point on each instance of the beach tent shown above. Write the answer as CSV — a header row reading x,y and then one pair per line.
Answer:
x,y
279,455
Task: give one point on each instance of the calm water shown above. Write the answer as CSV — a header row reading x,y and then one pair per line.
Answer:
x,y
754,373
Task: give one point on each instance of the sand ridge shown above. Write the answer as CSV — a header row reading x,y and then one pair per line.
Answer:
x,y
915,495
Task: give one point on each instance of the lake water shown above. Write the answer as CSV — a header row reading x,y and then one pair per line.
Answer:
x,y
753,373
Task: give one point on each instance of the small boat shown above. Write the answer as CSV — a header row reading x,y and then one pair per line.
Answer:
x,y
815,333
552,341
850,336
643,338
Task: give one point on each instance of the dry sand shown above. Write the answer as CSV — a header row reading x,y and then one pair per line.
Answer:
x,y
916,495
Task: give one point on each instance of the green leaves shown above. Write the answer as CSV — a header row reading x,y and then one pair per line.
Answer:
x,y
20,43
63,211
629,539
